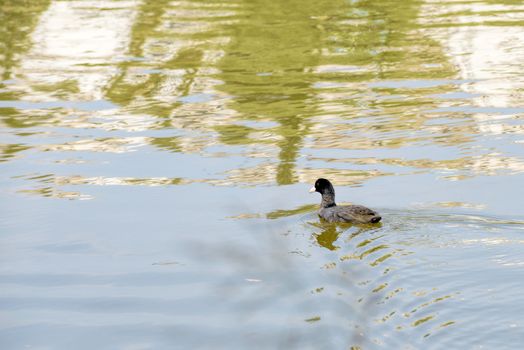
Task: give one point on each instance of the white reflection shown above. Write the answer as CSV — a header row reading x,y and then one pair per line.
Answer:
x,y
486,44
74,41
491,54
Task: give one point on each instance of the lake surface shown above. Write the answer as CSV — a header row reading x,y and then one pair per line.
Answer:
x,y
155,158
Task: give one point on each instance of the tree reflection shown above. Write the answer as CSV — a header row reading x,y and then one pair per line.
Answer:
x,y
267,67
275,83
281,53
17,21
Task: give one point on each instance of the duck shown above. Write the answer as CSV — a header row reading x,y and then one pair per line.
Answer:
x,y
331,212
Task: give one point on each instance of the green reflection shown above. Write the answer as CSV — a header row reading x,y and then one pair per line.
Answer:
x,y
330,232
324,75
267,68
279,52
9,151
168,143
327,237
18,19
157,70
308,208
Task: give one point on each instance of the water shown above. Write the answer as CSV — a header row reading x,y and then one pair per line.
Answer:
x,y
156,156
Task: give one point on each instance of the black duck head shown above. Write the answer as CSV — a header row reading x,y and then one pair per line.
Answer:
x,y
323,186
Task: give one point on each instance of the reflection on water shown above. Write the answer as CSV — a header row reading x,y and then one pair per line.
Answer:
x,y
156,154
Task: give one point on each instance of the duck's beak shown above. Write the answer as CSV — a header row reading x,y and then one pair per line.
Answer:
x,y
312,190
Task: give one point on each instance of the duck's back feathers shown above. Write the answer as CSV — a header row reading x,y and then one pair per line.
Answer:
x,y
349,213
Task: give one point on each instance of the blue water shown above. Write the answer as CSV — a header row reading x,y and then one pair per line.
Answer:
x,y
155,159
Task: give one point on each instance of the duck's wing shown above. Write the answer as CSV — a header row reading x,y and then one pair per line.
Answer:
x,y
352,212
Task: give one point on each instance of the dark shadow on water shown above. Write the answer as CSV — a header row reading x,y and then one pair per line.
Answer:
x,y
329,232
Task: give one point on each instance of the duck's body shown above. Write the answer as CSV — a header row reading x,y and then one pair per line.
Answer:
x,y
331,212
349,213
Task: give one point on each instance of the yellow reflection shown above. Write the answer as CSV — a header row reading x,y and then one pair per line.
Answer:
x,y
308,208
422,320
113,145
327,237
485,164
313,319
51,192
460,204
10,151
52,182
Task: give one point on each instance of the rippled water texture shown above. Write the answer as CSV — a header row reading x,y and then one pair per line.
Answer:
x,y
155,158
